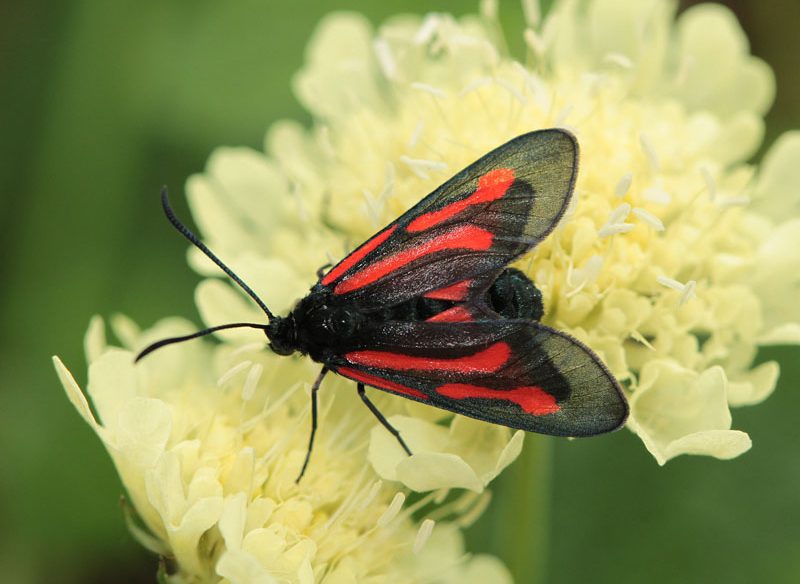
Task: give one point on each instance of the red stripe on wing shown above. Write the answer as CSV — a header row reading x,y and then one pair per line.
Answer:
x,y
531,398
457,292
491,186
380,383
455,314
487,361
357,256
462,237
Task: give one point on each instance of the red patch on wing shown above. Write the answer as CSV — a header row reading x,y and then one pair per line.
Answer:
x,y
456,292
455,314
380,383
357,255
487,361
531,398
491,186
462,237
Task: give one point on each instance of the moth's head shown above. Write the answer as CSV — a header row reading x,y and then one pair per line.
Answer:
x,y
282,334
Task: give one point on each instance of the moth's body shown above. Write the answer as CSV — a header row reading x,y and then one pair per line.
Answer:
x,y
427,308
324,328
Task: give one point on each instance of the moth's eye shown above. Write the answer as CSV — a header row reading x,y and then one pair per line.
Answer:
x,y
280,349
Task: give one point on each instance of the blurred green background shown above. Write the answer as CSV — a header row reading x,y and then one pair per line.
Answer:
x,y
103,102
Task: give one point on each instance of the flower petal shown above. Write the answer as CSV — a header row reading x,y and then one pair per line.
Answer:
x,y
722,444
755,385
469,456
239,567
340,74
385,454
777,192
674,409
776,280
721,75
429,471
78,399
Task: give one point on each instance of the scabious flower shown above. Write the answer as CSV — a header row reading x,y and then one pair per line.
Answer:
x,y
677,260
209,439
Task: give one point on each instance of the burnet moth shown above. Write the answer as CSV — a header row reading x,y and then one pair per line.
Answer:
x,y
427,308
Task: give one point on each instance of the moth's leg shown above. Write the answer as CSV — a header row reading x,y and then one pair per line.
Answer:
x,y
322,270
394,431
314,389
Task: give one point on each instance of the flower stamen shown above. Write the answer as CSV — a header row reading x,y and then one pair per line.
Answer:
x,y
532,12
386,60
649,151
618,59
231,373
737,201
474,86
687,290
423,534
428,28
624,184
421,166
251,381
429,89
415,135
649,218
392,510
711,185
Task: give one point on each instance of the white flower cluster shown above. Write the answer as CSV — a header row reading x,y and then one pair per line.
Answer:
x,y
677,260
209,441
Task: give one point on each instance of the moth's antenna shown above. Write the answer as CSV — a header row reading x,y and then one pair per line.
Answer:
x,y
195,241
172,340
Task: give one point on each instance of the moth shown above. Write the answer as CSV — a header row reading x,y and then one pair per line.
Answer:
x,y
428,309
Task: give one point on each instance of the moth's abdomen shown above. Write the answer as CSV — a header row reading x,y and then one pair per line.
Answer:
x,y
512,295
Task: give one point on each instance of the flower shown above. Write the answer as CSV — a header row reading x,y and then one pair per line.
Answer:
x,y
677,254
208,441
675,262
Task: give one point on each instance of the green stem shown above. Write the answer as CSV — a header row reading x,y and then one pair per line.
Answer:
x,y
517,526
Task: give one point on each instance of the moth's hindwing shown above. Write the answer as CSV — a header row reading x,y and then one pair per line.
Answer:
x,y
519,374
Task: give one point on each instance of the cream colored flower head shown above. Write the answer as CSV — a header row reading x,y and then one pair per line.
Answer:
x,y
677,259
675,262
209,439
